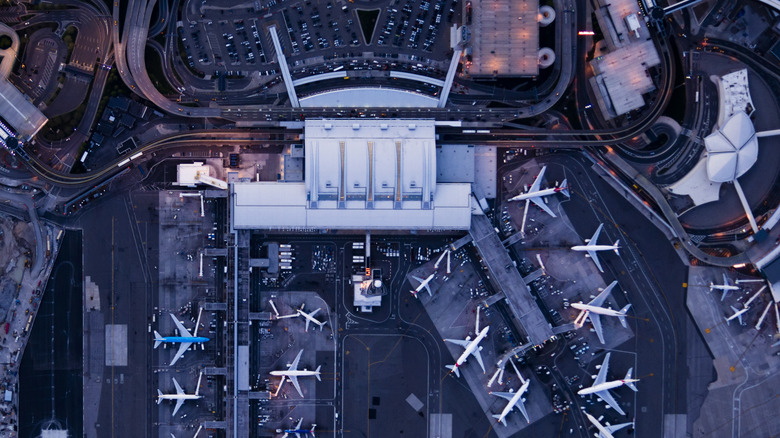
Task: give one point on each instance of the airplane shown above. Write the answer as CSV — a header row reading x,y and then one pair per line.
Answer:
x,y
601,387
726,287
737,314
515,399
606,432
593,247
185,339
471,347
180,395
298,431
292,373
535,194
309,317
593,311
423,284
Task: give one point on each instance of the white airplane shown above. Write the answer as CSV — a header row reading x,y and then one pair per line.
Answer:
x,y
601,387
726,287
309,317
298,431
185,339
516,399
423,284
471,347
180,396
606,432
737,314
593,311
536,195
593,247
292,373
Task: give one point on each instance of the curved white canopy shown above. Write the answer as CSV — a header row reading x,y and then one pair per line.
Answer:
x,y
732,149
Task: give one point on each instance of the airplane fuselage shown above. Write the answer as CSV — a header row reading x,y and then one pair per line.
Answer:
x,y
598,310
594,247
513,402
472,346
536,194
605,386
737,314
308,316
180,339
598,425
179,397
294,373
723,287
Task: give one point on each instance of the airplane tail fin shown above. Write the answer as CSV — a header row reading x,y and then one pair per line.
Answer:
x,y
628,377
617,247
317,371
157,339
454,369
159,394
311,431
565,190
501,420
623,318
414,292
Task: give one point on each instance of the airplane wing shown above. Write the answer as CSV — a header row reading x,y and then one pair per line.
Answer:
x,y
294,381
520,405
183,332
298,426
178,387
294,364
614,428
607,397
538,181
315,312
506,395
179,402
594,240
539,202
428,289
595,319
306,329
182,348
460,342
599,300
602,375
594,255
726,280
478,356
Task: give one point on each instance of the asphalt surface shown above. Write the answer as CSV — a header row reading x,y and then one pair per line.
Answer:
x,y
658,311
50,387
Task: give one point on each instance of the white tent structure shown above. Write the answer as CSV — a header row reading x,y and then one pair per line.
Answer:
x,y
732,149
731,152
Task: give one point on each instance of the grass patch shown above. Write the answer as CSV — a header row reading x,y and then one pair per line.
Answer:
x,y
368,20
69,38
155,69
5,42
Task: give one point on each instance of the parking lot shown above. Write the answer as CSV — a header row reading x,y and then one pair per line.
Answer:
x,y
316,36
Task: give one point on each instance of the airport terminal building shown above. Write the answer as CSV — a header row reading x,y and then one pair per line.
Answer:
x,y
359,174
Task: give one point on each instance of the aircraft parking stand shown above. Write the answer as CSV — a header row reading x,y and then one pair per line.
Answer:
x,y
183,235
453,312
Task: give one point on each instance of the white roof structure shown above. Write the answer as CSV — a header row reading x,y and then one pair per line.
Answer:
x,y
360,174
368,97
186,173
732,149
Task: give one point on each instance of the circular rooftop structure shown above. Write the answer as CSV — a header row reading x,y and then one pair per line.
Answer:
x,y
732,149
